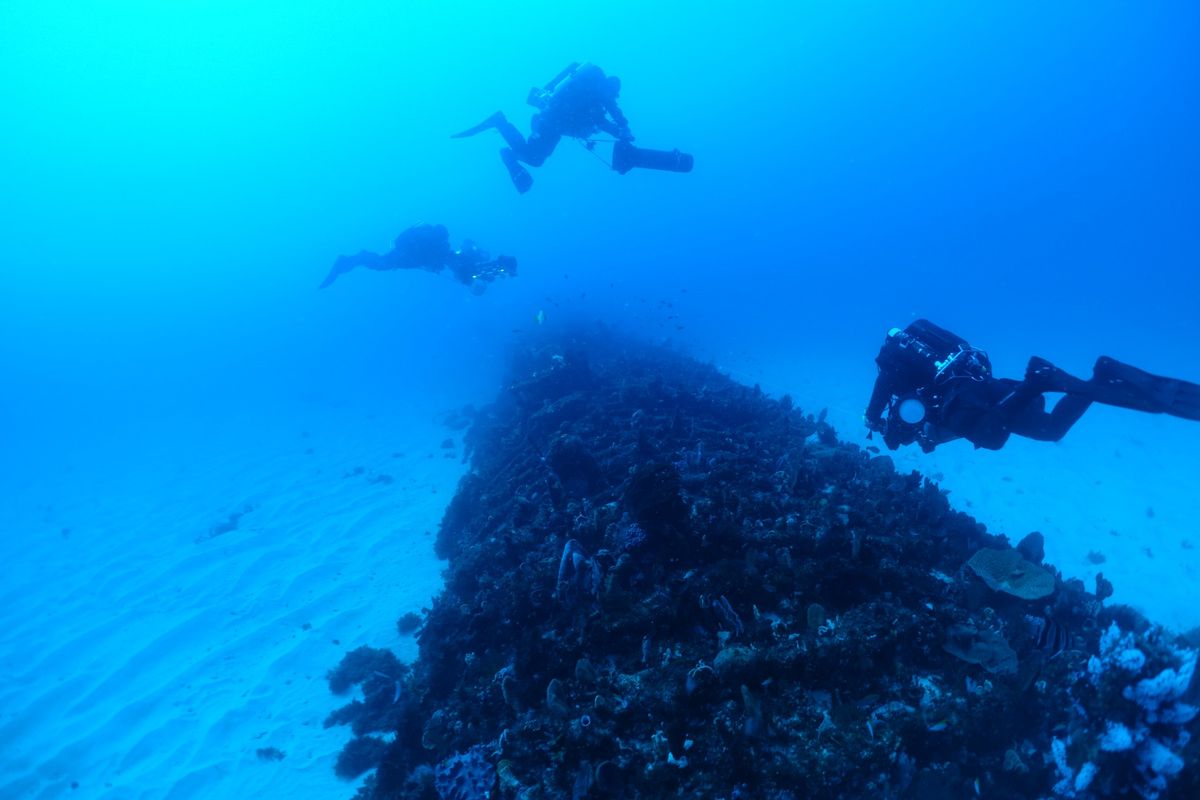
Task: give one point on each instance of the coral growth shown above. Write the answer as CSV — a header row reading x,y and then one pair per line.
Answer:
x,y
665,584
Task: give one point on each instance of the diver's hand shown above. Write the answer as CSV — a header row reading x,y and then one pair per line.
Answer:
x,y
624,134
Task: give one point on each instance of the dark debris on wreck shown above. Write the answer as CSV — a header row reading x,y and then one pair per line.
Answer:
x,y
664,584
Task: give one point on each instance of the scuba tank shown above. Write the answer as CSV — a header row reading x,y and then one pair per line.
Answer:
x,y
539,97
933,353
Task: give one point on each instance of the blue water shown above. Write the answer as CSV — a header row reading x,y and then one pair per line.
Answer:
x,y
178,177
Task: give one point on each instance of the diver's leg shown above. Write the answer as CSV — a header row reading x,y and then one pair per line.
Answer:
x,y
512,136
516,152
1023,409
519,175
1022,395
537,148
1067,411
532,151
375,261
344,264
1034,423
1042,376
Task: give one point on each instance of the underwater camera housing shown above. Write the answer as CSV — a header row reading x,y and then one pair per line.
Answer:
x,y
625,157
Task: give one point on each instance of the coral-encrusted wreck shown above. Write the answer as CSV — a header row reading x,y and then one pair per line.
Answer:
x,y
665,584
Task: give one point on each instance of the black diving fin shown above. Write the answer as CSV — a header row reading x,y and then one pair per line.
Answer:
x,y
1117,384
340,267
490,122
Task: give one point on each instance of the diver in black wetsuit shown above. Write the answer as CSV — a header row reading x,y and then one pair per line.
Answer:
x,y
428,247
934,387
580,102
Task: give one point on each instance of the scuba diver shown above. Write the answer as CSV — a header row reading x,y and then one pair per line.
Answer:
x,y
428,247
579,102
935,387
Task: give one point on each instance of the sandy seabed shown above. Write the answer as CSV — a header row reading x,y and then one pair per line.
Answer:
x,y
163,621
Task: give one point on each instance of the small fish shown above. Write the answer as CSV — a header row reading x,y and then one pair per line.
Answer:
x,y
938,726
1051,637
539,317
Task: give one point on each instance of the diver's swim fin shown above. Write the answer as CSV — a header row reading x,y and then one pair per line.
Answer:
x,y
340,266
490,122
1117,384
330,278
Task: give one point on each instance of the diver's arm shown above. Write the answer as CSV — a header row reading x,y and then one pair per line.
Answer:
x,y
605,125
930,436
881,395
618,121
